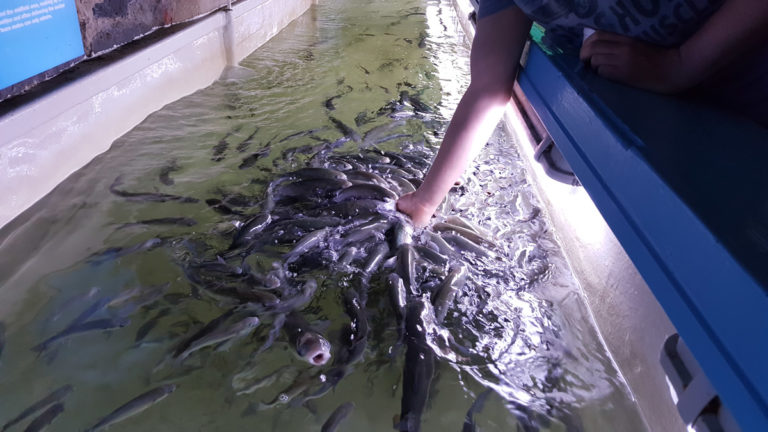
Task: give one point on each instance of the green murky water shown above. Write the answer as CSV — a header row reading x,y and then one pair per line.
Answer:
x,y
536,345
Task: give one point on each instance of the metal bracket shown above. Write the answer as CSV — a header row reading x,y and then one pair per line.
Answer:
x,y
697,401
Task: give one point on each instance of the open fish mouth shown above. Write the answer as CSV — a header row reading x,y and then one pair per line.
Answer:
x,y
315,350
319,358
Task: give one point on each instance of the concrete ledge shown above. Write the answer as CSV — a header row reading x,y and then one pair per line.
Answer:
x,y
50,137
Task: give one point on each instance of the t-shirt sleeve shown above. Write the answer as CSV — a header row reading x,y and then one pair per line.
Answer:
x,y
490,7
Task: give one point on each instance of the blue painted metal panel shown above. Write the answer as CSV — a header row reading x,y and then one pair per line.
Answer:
x,y
37,35
684,189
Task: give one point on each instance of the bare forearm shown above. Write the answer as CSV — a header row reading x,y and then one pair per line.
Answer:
x,y
476,116
495,52
496,49
734,29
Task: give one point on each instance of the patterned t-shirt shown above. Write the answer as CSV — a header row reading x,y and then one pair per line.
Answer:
x,y
662,22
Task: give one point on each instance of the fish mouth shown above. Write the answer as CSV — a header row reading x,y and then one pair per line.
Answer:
x,y
319,358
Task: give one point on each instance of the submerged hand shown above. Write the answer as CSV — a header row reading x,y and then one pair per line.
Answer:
x,y
636,63
415,208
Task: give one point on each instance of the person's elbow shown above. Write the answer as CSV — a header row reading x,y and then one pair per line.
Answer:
x,y
494,88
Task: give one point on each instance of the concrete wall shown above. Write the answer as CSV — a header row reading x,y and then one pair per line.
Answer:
x,y
106,24
49,136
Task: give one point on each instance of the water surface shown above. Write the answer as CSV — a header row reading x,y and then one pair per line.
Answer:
x,y
522,315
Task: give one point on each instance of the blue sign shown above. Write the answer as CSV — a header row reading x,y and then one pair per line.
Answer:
x,y
36,35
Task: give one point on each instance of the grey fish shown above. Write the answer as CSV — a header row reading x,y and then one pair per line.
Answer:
x,y
374,229
431,256
119,252
337,416
360,176
310,345
54,397
461,222
418,369
140,295
381,131
235,331
403,185
415,102
332,378
300,134
366,191
416,182
344,129
350,209
71,302
145,328
298,301
46,418
297,387
147,196
208,328
368,157
91,310
312,173
419,162
134,406
392,170
249,295
477,406
375,258
243,382
343,163
306,224
274,332
469,234
348,255
406,267
329,102
220,207
444,297
422,40
356,338
391,138
363,117
403,234
249,229
88,326
463,245
165,171
243,146
313,188
442,246
223,144
397,159
309,242
397,299
251,159
181,221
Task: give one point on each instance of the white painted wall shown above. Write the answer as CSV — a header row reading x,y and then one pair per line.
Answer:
x,y
49,138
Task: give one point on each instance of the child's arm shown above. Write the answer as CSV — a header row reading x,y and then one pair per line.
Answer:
x,y
496,50
732,30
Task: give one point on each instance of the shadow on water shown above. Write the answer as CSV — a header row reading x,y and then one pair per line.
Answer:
x,y
138,280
